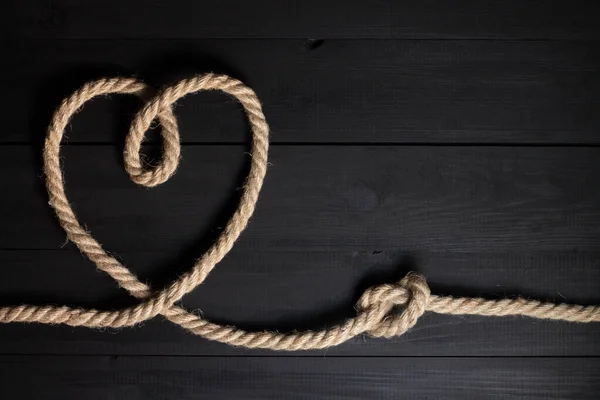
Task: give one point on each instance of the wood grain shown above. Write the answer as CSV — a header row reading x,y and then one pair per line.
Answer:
x,y
345,91
290,378
487,19
323,197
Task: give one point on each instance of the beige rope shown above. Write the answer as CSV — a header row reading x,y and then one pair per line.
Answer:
x,y
375,309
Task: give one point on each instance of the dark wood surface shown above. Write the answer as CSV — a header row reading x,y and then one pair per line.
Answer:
x,y
341,91
116,377
430,19
457,141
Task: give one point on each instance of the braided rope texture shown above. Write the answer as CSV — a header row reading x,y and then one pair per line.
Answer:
x,y
376,314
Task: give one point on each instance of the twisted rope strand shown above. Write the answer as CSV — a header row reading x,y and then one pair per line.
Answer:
x,y
375,308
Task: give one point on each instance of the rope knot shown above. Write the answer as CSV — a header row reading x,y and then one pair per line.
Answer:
x,y
378,303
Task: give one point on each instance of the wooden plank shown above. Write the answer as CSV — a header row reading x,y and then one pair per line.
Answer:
x,y
317,378
488,19
323,197
496,221
343,91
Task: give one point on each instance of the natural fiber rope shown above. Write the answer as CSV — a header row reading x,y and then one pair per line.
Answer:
x,y
375,308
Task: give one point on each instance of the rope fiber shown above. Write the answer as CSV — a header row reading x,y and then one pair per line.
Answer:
x,y
376,314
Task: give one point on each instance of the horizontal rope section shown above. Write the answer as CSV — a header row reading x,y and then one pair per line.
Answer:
x,y
375,308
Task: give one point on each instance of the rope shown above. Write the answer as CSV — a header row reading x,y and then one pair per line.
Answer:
x,y
376,314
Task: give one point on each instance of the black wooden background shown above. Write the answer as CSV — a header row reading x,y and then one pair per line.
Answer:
x,y
456,139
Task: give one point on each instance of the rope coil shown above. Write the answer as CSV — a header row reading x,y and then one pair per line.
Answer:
x,y
375,308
